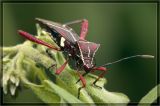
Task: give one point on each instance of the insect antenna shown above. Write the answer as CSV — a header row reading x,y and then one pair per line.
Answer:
x,y
126,58
72,22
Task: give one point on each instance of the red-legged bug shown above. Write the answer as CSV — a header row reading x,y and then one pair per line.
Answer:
x,y
77,48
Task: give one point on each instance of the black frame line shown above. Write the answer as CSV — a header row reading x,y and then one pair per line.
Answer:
x,y
82,1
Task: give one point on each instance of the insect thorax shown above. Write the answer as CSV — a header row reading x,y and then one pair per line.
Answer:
x,y
87,52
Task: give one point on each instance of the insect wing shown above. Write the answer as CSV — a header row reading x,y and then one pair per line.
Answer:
x,y
63,31
88,50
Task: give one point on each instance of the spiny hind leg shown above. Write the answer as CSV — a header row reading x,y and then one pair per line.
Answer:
x,y
84,27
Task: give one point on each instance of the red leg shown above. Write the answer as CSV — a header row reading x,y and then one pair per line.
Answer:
x,y
83,76
83,83
59,70
84,29
99,69
36,40
104,70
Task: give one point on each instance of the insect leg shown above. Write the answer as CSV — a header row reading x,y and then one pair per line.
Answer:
x,y
36,40
73,22
60,69
104,70
83,83
84,27
84,74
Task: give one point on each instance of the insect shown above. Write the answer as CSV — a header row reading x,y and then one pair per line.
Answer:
x,y
77,48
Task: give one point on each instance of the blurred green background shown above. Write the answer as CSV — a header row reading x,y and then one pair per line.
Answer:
x,y
122,29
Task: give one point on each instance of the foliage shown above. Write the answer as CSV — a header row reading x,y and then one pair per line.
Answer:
x,y
27,65
151,96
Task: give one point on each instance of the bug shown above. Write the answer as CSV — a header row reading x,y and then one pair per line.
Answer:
x,y
77,48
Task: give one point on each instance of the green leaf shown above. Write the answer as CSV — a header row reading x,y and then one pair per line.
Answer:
x,y
69,98
37,56
44,94
151,96
49,92
102,95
